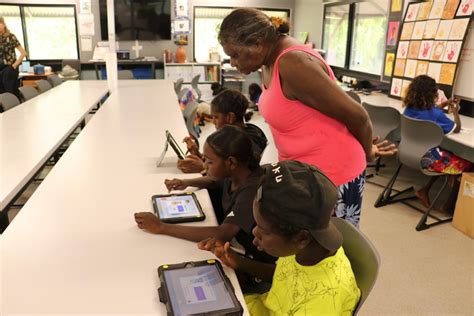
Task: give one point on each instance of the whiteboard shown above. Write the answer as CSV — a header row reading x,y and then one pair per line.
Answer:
x,y
464,85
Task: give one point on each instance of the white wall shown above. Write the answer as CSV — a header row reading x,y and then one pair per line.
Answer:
x,y
308,17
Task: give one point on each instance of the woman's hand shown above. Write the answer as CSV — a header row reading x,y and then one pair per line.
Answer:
x,y
192,146
149,222
382,149
176,184
191,164
222,251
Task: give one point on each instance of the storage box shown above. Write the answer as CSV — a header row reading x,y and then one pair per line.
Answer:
x,y
463,219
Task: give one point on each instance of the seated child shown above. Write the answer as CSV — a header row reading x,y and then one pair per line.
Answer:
x,y
312,276
227,108
228,157
420,101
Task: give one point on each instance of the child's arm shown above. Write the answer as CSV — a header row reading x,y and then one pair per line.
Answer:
x,y
455,110
229,257
181,184
151,223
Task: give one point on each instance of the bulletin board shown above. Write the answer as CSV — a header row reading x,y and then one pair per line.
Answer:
x,y
431,40
393,29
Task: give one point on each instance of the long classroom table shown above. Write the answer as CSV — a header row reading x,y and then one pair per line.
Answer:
x,y
74,247
32,131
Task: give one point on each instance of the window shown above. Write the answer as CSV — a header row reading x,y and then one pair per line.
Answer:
x,y
46,32
336,23
207,21
370,25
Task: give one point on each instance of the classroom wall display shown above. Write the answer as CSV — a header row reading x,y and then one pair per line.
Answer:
x,y
405,84
431,41
389,60
393,33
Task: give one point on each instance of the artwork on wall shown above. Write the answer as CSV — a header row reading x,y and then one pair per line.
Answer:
x,y
389,59
437,9
450,9
430,29
392,34
452,51
465,9
413,49
438,50
424,11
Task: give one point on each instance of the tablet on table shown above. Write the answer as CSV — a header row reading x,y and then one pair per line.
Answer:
x,y
178,208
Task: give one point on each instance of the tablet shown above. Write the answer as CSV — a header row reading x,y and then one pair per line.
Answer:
x,y
178,208
197,288
170,139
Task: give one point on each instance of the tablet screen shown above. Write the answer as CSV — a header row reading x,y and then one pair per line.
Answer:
x,y
176,206
197,290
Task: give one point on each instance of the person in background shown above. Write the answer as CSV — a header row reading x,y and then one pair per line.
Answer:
x,y
311,118
254,94
8,62
420,103
312,276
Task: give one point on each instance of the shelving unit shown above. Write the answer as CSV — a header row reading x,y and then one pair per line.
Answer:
x,y
210,72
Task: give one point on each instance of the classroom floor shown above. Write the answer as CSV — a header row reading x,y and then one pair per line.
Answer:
x,y
422,273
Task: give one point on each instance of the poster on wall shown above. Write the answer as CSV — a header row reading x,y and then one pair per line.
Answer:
x,y
393,31
430,42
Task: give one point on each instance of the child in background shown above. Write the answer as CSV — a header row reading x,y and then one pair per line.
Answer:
x,y
420,101
312,276
229,157
227,108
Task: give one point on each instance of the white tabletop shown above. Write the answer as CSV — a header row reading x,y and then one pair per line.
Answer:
x,y
33,130
75,247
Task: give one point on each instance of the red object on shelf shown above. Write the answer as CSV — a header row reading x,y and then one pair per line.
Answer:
x,y
180,54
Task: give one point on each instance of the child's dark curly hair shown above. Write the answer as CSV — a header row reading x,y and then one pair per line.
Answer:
x,y
231,100
422,93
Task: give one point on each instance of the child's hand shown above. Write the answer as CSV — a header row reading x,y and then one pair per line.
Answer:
x,y
191,164
382,149
176,184
222,251
454,108
149,222
192,146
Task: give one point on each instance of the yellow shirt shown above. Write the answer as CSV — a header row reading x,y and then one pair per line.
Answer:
x,y
327,288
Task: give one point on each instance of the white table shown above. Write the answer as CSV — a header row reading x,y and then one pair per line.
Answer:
x,y
32,131
74,247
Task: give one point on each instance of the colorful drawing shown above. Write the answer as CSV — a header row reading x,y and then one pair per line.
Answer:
x,y
434,70
438,50
396,6
418,30
424,11
412,12
392,33
402,50
450,9
422,67
447,74
399,67
414,49
407,30
452,51
410,68
389,58
465,9
405,85
458,29
396,87
437,9
425,49
444,29
430,29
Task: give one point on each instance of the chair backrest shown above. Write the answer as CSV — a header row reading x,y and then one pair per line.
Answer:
x,y
54,80
190,123
195,85
189,109
384,119
8,101
28,92
43,85
177,85
354,96
364,257
418,136
73,63
182,93
125,75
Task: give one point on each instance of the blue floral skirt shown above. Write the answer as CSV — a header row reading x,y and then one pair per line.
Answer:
x,y
349,200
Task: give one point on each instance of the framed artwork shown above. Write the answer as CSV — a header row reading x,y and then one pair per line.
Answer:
x,y
430,29
396,88
450,9
437,52
444,29
418,30
422,67
465,8
452,52
412,12
396,6
392,33
410,68
424,11
447,74
399,67
437,9
389,59
434,69
402,50
405,85
425,50
414,49
407,29
458,29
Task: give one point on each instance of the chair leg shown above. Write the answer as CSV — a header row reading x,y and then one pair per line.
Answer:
x,y
386,196
422,223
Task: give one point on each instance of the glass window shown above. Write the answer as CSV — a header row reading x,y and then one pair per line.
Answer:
x,y
207,21
11,14
368,44
336,22
51,32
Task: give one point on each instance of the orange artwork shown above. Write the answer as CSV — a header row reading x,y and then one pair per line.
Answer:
x,y
407,30
447,74
424,11
450,9
414,49
438,50
399,67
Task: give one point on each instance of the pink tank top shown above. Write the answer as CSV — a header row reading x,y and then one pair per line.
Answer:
x,y
305,134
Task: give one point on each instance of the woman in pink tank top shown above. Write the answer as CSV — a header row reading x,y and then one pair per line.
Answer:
x,y
311,119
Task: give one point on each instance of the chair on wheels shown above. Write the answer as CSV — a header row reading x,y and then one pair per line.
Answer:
x,y
7,101
28,92
384,119
354,96
54,80
195,85
364,257
418,137
43,85
125,75
178,85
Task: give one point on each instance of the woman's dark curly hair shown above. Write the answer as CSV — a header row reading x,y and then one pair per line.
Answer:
x,y
422,93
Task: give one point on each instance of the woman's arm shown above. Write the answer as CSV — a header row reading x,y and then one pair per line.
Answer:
x,y
20,58
303,78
